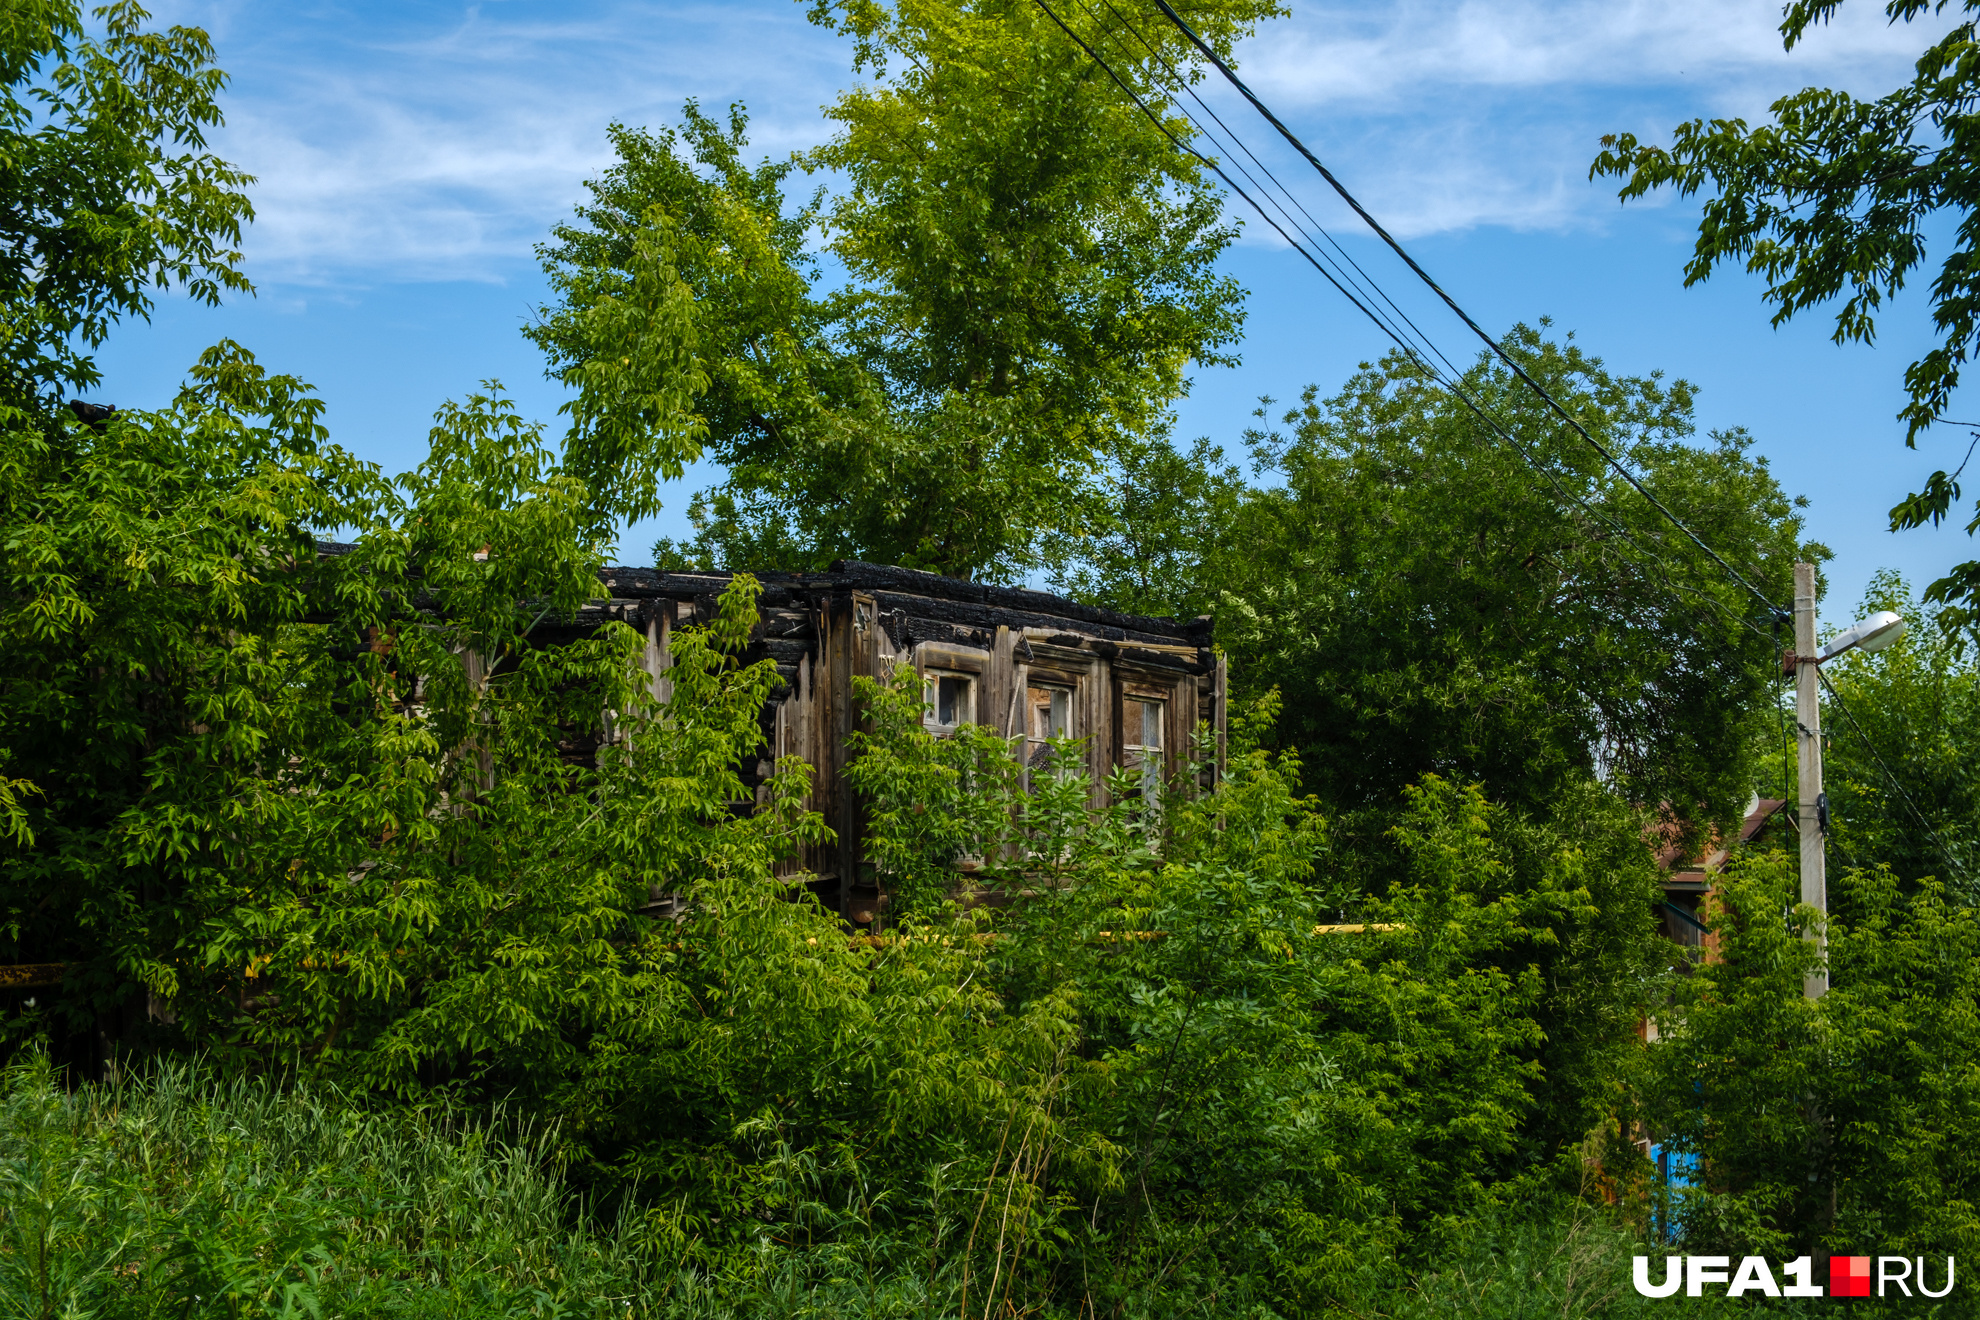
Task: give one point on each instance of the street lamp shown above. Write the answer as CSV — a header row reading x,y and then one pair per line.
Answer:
x,y
1812,820
1873,634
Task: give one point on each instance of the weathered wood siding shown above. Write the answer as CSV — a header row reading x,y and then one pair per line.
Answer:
x,y
823,630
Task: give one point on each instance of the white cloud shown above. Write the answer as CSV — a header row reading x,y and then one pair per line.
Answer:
x,y
1448,115
444,149
1382,57
441,140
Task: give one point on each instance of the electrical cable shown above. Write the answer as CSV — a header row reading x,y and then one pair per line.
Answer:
x,y
1364,290
1492,344
1216,169
1336,278
1318,263
1315,262
1412,351
1369,283
1890,777
1183,82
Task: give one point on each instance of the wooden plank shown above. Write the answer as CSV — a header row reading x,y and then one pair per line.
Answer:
x,y
801,744
881,579
1096,692
838,678
1178,727
942,655
1050,616
816,856
997,707
1073,637
869,650
788,623
659,655
784,650
879,645
1219,699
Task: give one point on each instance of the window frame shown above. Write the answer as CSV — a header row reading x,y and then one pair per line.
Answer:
x,y
931,699
1135,753
1071,692
1175,697
934,661
1048,678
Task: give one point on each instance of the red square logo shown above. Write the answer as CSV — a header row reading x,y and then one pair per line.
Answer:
x,y
1849,1276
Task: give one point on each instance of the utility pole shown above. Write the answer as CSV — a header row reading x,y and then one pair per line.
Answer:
x,y
1808,740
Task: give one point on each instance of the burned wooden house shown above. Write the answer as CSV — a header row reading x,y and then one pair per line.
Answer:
x,y
1026,663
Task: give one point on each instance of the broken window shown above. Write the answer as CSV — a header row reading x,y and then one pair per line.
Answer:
x,y
949,701
1051,713
1048,715
1141,740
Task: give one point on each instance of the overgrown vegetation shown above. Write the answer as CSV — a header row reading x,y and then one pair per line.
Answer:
x,y
344,853
186,1193
1024,270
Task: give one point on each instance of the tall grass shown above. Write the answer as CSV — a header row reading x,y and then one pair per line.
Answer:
x,y
183,1193
186,1193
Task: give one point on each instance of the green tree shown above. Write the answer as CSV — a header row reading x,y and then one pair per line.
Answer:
x,y
1827,1124
1832,200
136,552
1251,1101
685,314
1429,602
1898,759
1027,272
106,192
342,812
1151,543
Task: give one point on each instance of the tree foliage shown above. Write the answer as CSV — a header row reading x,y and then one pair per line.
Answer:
x,y
1428,604
258,765
1313,1029
1246,1094
1427,600
1826,1124
1022,272
1157,541
106,189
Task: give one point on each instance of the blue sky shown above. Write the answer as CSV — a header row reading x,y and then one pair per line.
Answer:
x,y
410,154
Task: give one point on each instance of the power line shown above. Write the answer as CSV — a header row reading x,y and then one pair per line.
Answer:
x,y
1408,349
1453,385
1190,151
1231,76
1890,777
1183,82
1362,297
1366,283
1340,280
